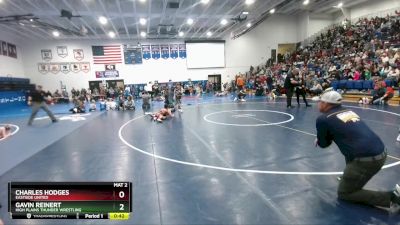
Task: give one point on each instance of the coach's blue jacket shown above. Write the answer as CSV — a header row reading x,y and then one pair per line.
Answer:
x,y
353,137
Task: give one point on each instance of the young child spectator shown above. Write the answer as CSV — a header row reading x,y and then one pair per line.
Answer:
x,y
92,106
129,103
103,104
78,108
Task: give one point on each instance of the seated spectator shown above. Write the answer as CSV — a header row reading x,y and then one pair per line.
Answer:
x,y
92,106
5,131
111,104
103,104
316,89
129,103
221,94
78,108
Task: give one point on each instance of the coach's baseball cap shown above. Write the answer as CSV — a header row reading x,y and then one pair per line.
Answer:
x,y
330,96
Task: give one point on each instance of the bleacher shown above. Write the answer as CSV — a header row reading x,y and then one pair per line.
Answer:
x,y
15,84
14,90
356,89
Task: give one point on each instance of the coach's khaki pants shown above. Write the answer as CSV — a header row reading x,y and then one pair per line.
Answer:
x,y
355,177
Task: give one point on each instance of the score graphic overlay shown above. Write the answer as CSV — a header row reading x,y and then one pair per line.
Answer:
x,y
74,200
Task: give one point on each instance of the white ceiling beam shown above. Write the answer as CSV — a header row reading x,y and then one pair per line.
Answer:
x,y
123,20
19,32
178,11
58,10
210,20
238,4
190,8
149,16
196,19
109,18
71,9
136,21
90,13
256,15
163,12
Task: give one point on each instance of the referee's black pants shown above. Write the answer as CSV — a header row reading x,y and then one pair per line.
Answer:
x,y
289,95
355,176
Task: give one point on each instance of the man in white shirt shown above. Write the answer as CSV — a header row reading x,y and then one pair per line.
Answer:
x,y
149,89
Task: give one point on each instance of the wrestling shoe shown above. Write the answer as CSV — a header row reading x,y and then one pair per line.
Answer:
x,y
242,100
235,99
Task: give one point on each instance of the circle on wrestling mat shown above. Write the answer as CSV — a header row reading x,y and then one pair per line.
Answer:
x,y
263,122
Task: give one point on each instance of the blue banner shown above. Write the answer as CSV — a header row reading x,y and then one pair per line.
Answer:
x,y
174,48
182,51
12,97
146,52
165,51
155,51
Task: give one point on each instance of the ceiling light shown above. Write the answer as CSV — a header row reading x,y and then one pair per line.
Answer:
x,y
56,33
245,13
224,22
143,34
249,2
21,24
189,21
272,11
205,1
248,25
142,21
181,34
1,1
103,20
142,0
209,34
340,5
306,2
111,34
29,19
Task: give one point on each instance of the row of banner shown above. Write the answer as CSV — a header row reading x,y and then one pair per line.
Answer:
x,y
8,49
64,67
62,52
134,54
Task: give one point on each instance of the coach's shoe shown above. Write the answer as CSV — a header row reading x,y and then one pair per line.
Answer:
x,y
395,200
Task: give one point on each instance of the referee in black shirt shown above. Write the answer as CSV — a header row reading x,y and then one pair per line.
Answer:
x,y
36,100
363,150
290,84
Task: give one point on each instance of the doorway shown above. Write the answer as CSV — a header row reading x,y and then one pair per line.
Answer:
x,y
216,81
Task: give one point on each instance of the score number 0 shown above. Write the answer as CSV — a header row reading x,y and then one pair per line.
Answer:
x,y
121,194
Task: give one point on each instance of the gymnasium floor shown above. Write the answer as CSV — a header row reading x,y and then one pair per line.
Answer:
x,y
218,162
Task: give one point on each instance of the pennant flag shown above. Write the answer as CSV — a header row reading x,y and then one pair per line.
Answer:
x,y
174,51
182,51
165,51
155,51
109,54
146,52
